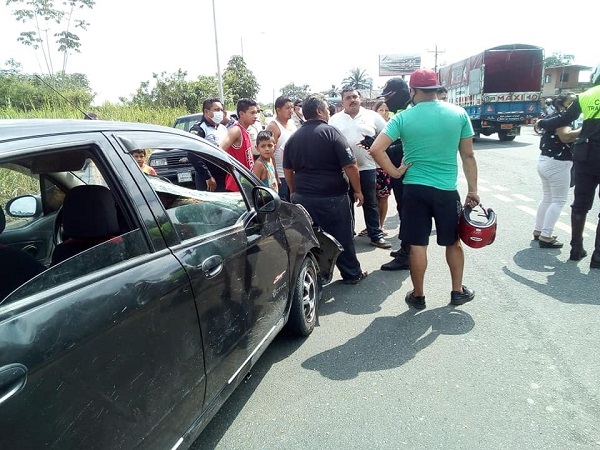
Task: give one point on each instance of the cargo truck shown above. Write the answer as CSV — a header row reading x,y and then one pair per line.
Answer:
x,y
500,88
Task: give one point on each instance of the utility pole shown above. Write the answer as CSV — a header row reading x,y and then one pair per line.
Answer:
x,y
436,52
219,77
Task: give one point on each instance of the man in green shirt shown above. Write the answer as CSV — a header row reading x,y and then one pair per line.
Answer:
x,y
432,133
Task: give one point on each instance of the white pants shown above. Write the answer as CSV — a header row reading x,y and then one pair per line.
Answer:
x,y
556,178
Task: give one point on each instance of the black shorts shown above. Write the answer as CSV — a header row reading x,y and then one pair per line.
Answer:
x,y
420,204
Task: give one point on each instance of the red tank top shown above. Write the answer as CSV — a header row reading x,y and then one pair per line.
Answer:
x,y
243,154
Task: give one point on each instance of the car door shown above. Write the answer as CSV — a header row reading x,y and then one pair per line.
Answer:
x,y
104,349
237,262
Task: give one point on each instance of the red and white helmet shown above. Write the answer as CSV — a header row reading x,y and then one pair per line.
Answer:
x,y
474,232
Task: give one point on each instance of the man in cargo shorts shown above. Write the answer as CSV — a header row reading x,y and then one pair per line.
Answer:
x,y
431,132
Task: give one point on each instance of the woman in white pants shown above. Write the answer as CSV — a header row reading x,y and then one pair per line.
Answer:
x,y
554,168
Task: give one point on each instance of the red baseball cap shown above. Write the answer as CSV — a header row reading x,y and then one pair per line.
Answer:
x,y
424,79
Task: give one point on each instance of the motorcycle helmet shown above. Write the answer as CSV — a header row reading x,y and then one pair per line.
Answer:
x,y
474,232
549,101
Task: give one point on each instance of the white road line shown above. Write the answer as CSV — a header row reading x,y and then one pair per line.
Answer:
x,y
500,188
481,180
522,197
483,189
527,209
559,225
504,198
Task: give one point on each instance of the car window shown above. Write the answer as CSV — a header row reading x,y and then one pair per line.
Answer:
x,y
14,183
195,213
77,239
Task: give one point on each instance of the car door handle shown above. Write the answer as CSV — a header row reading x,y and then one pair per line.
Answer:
x,y
212,266
13,378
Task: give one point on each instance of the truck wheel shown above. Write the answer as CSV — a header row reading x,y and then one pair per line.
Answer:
x,y
307,290
503,136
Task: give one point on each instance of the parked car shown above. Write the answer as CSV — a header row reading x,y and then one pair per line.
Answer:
x,y
175,165
186,122
130,307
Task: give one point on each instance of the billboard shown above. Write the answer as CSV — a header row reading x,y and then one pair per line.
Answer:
x,y
392,65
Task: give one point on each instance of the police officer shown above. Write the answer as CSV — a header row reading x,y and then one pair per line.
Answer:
x,y
586,161
396,94
208,176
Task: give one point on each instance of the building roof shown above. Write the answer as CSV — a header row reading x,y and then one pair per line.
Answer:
x,y
573,66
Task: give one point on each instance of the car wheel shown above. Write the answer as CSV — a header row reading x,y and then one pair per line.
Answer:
x,y
307,291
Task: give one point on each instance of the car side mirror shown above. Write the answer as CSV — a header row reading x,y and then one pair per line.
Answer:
x,y
266,200
24,206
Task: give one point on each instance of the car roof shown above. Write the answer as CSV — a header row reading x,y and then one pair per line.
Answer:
x,y
22,129
190,116
16,129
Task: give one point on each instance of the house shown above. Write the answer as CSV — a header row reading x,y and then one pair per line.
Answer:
x,y
561,79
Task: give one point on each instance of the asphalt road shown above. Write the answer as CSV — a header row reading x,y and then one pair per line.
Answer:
x,y
516,368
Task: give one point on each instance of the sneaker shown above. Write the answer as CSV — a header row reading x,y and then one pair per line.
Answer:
x,y
398,263
417,302
381,243
460,298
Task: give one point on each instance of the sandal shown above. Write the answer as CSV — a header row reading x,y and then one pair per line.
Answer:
x,y
537,234
364,233
363,275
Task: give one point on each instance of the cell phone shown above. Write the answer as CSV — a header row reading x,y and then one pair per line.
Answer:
x,y
367,142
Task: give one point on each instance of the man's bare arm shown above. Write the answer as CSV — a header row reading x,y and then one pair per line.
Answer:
x,y
354,178
234,137
467,155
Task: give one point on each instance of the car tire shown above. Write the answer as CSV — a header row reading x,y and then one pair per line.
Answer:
x,y
305,300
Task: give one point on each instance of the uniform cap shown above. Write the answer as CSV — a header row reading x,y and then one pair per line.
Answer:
x,y
392,85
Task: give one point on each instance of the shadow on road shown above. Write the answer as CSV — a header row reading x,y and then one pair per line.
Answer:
x,y
565,281
365,297
390,342
492,143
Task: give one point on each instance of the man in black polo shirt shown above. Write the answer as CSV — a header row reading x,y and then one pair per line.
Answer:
x,y
314,160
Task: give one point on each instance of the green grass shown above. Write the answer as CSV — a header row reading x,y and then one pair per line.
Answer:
x,y
108,111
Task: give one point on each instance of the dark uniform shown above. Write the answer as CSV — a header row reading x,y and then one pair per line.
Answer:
x,y
586,161
317,153
206,170
397,97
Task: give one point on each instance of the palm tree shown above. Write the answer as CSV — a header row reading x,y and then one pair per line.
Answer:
x,y
358,79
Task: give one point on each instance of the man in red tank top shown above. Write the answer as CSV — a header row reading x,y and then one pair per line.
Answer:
x,y
238,143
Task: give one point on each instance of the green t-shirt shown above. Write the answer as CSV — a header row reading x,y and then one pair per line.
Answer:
x,y
430,133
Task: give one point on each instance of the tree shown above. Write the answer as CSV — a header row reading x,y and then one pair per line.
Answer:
x,y
239,81
558,59
26,92
50,21
357,79
174,91
294,91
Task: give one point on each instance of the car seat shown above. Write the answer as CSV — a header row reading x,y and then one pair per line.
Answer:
x,y
16,266
89,217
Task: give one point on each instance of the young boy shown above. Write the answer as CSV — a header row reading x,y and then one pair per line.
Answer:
x,y
264,167
237,142
140,158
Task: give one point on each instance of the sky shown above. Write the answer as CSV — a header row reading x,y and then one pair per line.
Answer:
x,y
314,42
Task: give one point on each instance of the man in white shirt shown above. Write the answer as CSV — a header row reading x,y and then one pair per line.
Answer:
x,y
356,122
282,128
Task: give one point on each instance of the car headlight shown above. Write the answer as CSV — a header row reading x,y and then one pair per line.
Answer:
x,y
158,162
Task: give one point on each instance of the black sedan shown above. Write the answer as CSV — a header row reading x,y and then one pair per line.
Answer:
x,y
130,307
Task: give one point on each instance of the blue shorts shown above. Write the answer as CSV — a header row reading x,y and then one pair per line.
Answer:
x,y
420,204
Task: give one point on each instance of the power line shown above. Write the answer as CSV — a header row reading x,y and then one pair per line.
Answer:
x,y
436,52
